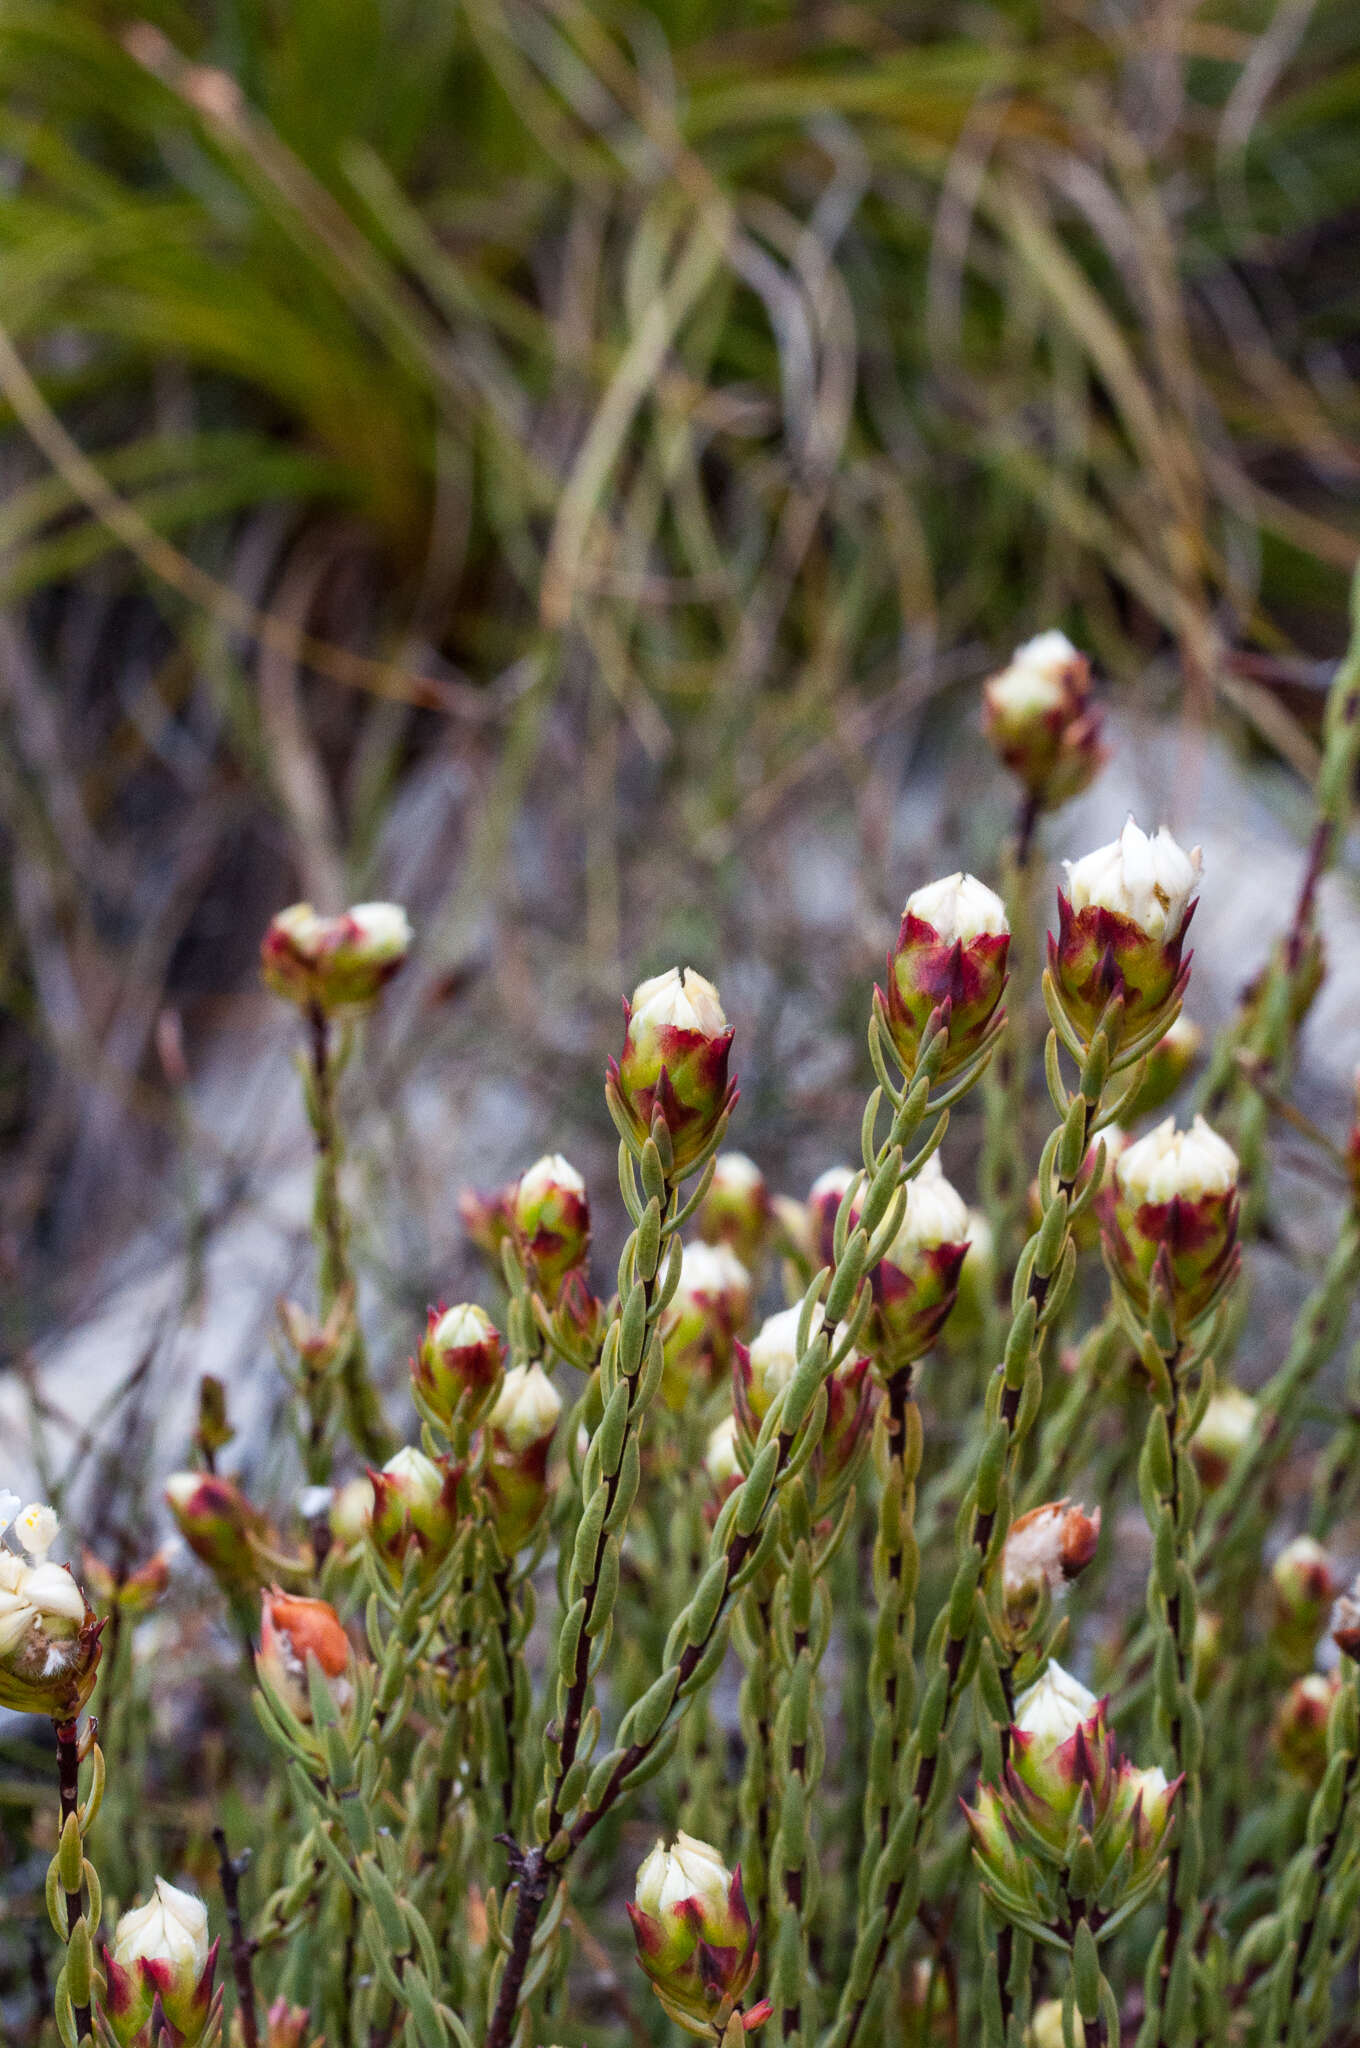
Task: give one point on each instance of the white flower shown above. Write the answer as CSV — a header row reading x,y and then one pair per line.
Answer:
x,y
303,929
37,1529
527,1407
690,1869
1150,881
833,1182
959,908
720,1454
1229,1422
936,1213
1053,1709
418,1477
679,998
40,1593
383,931
1168,1162
736,1174
549,1172
774,1353
714,1272
172,1927
1036,679
461,1326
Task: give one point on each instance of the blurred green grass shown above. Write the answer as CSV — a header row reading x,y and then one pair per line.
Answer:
x,y
380,375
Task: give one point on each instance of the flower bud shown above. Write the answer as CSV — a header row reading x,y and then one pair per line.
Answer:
x,y
1121,928
520,1430
415,1506
694,1936
220,1526
1061,1749
951,957
1299,1732
1228,1422
736,1210
1142,1806
916,1281
488,1219
1043,1552
823,1206
458,1366
1038,715
1303,1588
49,1637
136,1593
552,1223
293,1629
1173,1208
160,1953
287,2026
763,1371
674,1063
334,963
721,1459
1345,1623
711,1303
1168,1064
351,1511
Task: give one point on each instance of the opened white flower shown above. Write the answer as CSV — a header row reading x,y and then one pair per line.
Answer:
x,y
1168,1163
958,908
689,1869
37,1529
679,998
39,1592
527,1407
1053,1709
1148,880
172,1927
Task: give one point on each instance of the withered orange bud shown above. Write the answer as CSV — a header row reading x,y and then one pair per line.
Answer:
x,y
292,1629
1044,1550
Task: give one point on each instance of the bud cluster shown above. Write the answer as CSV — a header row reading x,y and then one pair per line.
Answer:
x,y
334,963
1170,1219
1038,714
707,1312
1073,1829
694,1934
1122,922
159,1972
673,1068
762,1371
949,964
